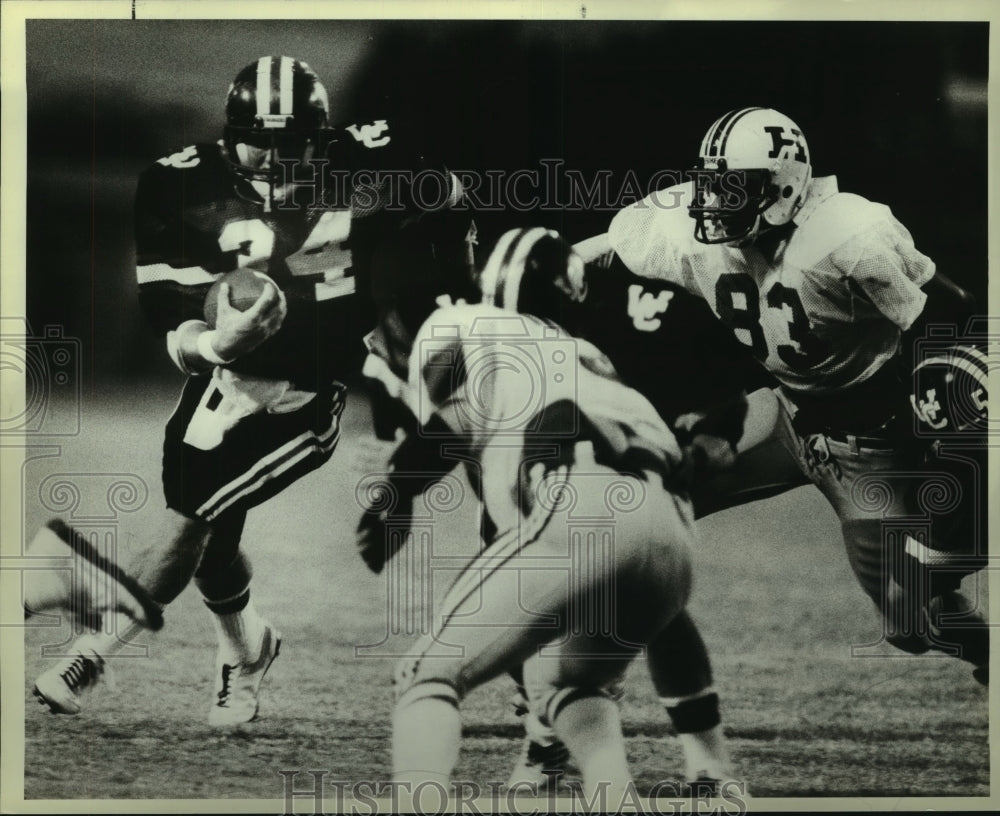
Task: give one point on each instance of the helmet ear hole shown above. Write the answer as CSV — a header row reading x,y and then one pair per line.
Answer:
x,y
787,192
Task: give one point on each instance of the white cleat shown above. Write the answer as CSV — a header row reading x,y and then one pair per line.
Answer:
x,y
62,687
237,685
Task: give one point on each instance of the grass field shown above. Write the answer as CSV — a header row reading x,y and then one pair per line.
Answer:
x,y
773,595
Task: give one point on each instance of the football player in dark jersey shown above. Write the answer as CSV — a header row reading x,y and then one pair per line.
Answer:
x,y
314,209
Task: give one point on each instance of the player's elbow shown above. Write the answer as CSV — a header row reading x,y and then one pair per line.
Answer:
x,y
947,301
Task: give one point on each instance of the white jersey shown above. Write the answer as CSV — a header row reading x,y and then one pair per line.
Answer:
x,y
524,394
824,314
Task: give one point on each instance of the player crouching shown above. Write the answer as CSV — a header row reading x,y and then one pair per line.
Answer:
x,y
583,481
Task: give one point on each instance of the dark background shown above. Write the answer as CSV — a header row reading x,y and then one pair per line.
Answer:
x,y
896,110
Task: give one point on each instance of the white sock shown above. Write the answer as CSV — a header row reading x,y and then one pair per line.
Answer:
x,y
705,753
426,733
240,634
109,644
591,729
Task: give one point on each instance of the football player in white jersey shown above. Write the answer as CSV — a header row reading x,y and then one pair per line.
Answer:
x,y
537,272
582,481
829,292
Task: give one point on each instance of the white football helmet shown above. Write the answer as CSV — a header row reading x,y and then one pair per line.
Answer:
x,y
753,172
530,271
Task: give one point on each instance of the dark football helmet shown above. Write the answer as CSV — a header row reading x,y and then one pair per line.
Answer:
x,y
533,271
949,391
752,173
277,113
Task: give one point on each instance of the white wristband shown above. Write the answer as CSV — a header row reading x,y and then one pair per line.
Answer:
x,y
205,348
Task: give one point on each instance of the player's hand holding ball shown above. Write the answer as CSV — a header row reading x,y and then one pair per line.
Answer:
x,y
245,308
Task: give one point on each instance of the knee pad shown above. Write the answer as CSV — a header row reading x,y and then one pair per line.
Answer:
x,y
558,699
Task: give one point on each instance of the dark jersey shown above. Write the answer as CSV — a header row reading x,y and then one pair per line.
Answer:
x,y
196,221
662,341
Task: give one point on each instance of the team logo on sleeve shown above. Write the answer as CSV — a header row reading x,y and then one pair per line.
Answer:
x,y
370,135
644,307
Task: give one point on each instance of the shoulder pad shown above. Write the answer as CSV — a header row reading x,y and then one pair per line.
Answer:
x,y
833,224
652,233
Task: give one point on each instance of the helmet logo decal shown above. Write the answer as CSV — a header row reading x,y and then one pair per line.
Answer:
x,y
928,409
369,135
780,141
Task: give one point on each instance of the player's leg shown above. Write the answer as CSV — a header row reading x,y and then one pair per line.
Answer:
x,y
682,676
958,548
172,549
763,468
914,573
257,458
83,582
588,722
525,601
570,683
871,482
63,685
212,474
543,758
248,643
573,685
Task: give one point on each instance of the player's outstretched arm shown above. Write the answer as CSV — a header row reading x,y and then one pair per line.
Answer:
x,y
81,581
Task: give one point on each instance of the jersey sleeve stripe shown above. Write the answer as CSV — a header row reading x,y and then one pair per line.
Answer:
x,y
186,276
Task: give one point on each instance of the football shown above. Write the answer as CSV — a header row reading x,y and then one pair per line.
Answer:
x,y
245,286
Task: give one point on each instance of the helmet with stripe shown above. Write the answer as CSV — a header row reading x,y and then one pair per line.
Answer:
x,y
752,174
277,111
533,271
949,391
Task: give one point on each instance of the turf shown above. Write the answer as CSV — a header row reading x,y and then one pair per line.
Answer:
x,y
773,594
